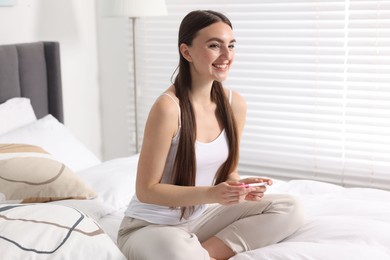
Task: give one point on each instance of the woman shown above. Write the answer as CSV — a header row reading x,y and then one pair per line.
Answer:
x,y
190,202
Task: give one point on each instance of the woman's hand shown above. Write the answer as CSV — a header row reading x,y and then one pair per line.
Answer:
x,y
258,192
231,192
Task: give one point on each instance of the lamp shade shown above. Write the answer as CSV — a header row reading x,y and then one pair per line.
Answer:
x,y
134,8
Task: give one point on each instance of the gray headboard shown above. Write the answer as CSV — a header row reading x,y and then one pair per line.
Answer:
x,y
33,70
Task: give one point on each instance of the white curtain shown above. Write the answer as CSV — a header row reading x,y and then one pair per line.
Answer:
x,y
315,75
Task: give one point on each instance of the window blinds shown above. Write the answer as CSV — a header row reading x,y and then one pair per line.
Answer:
x,y
367,109
315,75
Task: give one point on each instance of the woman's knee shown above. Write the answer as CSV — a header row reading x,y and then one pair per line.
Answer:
x,y
291,206
295,208
286,205
283,203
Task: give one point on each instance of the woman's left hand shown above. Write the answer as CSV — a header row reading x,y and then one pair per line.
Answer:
x,y
258,193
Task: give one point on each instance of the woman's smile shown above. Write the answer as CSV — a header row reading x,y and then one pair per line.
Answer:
x,y
221,66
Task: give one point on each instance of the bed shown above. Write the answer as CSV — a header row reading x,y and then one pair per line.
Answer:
x,y
58,201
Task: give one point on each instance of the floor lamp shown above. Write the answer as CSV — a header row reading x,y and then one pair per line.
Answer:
x,y
134,9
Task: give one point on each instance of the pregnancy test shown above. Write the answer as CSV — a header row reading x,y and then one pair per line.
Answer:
x,y
257,184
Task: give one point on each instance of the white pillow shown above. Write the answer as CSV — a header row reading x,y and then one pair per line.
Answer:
x,y
30,174
49,134
113,180
53,232
14,113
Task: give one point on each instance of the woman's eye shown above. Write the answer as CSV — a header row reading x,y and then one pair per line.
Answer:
x,y
217,46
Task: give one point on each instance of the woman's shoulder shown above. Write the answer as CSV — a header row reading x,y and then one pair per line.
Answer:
x,y
239,108
167,104
237,101
163,116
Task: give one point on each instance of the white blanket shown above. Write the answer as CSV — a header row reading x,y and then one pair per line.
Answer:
x,y
341,223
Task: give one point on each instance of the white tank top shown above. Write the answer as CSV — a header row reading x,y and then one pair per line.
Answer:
x,y
209,157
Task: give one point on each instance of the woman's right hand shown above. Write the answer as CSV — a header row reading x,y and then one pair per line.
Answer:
x,y
228,193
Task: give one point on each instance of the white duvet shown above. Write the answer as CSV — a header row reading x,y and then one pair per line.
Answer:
x,y
341,223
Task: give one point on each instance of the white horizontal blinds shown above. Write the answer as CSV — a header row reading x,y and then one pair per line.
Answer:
x,y
156,61
315,75
367,113
290,68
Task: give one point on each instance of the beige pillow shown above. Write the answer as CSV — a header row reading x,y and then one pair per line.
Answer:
x,y
28,173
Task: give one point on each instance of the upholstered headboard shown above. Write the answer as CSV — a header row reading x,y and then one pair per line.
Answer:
x,y
33,70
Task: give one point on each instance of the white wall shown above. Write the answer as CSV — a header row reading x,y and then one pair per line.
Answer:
x,y
73,24
115,52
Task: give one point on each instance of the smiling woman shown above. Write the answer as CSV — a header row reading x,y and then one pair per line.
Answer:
x,y
189,194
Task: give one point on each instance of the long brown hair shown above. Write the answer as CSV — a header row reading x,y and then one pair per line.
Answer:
x,y
185,162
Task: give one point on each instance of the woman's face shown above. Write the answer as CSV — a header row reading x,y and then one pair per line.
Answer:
x,y
211,53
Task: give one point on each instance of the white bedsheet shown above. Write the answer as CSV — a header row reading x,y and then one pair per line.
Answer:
x,y
341,223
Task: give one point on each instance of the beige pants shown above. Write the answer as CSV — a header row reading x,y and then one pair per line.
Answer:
x,y
242,227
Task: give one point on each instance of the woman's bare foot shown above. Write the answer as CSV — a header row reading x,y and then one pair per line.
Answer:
x,y
217,249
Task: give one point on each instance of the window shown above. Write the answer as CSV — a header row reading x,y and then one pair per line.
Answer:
x,y
316,77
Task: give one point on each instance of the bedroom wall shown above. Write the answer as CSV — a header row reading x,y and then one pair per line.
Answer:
x,y
73,24
114,47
